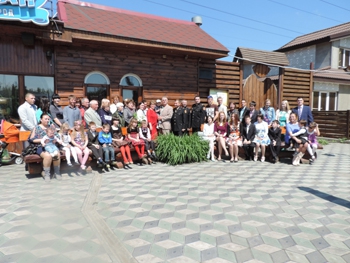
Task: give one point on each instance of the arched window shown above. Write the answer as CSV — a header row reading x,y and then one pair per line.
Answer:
x,y
96,86
131,80
131,87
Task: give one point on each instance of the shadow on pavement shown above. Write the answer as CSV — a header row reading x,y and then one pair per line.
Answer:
x,y
325,196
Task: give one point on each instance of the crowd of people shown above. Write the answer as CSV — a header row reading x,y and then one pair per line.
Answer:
x,y
85,126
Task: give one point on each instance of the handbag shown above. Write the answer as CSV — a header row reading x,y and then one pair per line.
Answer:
x,y
31,149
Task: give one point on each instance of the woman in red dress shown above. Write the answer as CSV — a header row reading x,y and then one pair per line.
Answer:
x,y
152,119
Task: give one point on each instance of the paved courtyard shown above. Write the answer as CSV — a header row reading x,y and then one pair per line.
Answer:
x,y
208,212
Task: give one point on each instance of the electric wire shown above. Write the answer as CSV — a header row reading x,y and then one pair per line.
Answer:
x,y
341,7
217,19
243,17
295,8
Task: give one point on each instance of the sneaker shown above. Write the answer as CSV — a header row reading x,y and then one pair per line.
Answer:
x,y
128,166
262,159
58,177
70,164
290,148
311,161
255,158
83,167
107,165
114,163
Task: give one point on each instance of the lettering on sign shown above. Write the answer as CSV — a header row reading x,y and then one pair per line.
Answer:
x,y
24,11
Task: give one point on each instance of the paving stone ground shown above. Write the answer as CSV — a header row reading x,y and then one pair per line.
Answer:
x,y
207,212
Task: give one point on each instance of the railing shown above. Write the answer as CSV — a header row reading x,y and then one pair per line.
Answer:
x,y
333,124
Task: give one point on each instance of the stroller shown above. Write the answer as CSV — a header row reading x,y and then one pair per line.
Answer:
x,y
9,134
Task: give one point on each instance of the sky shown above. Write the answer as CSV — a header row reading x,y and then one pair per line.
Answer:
x,y
258,24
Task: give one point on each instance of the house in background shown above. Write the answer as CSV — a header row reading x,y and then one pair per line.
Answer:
x,y
328,52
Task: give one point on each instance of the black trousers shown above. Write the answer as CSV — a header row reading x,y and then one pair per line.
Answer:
x,y
249,150
97,153
275,150
195,129
178,133
149,145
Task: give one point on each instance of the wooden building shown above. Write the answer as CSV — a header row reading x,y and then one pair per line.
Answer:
x,y
99,52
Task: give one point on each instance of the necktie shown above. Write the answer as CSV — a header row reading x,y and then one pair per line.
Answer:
x,y
299,112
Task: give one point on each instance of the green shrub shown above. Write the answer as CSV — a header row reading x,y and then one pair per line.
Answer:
x,y
175,150
322,141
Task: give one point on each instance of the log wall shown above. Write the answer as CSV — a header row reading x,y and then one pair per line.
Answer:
x,y
294,84
333,124
173,76
227,76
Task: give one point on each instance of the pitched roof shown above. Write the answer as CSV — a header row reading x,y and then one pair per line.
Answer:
x,y
116,22
328,33
262,56
329,73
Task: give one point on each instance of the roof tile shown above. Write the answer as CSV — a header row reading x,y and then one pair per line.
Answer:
x,y
117,22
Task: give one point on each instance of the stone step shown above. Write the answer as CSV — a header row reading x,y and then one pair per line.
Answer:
x,y
172,223
200,251
167,249
127,232
137,246
145,222
234,252
215,237
184,235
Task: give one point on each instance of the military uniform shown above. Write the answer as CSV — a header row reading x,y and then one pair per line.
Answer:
x,y
177,121
198,115
187,119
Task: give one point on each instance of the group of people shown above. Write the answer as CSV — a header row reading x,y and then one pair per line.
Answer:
x,y
75,126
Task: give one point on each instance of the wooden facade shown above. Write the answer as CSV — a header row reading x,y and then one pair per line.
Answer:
x,y
333,124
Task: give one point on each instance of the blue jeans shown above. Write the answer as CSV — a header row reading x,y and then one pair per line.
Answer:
x,y
108,150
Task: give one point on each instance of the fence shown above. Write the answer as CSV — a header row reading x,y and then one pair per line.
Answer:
x,y
333,124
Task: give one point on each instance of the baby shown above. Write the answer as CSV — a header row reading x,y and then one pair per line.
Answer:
x,y
49,142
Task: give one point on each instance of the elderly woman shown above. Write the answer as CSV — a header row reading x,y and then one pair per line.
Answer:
x,y
104,112
129,111
118,114
56,111
37,134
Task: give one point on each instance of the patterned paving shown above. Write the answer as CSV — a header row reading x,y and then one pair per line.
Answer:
x,y
209,212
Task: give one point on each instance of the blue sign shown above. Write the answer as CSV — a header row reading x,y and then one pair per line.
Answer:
x,y
24,11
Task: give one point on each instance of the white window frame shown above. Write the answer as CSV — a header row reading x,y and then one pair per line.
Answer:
x,y
327,100
343,58
132,75
97,73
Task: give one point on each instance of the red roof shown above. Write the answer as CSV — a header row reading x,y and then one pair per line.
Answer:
x,y
127,24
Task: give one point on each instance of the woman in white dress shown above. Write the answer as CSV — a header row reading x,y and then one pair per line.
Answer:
x,y
208,135
261,137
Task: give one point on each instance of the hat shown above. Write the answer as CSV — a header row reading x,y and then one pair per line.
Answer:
x,y
158,100
119,104
210,97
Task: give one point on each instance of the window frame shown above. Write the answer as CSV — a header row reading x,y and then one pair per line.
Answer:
x,y
327,100
343,56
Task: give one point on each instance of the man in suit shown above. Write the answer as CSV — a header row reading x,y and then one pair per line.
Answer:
x,y
303,112
248,133
187,117
27,112
252,112
165,116
243,110
91,114
275,138
178,119
198,115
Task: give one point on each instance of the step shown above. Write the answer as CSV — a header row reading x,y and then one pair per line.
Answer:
x,y
200,251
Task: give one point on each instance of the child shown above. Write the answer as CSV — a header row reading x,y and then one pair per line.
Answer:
x,y
134,137
94,145
247,133
80,141
118,141
49,142
312,132
301,147
275,138
105,139
68,149
145,135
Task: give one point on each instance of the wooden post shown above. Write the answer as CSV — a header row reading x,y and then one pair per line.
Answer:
x,y
280,87
240,82
348,124
311,85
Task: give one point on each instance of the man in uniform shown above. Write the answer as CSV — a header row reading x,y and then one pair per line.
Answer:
x,y
177,121
187,117
197,115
